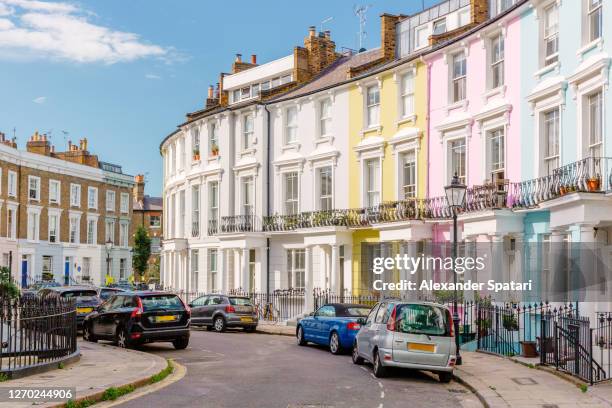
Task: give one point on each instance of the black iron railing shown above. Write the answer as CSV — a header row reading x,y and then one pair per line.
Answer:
x,y
35,331
240,223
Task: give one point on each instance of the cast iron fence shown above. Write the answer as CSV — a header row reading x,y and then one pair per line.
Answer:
x,y
36,331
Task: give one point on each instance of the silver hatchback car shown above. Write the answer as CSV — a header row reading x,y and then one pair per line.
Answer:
x,y
414,335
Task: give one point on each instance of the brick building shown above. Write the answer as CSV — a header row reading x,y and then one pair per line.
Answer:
x,y
58,212
147,211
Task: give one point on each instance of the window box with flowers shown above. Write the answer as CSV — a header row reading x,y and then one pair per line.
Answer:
x,y
196,155
214,150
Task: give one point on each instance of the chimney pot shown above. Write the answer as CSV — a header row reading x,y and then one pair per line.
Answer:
x,y
238,57
327,34
210,91
312,30
254,59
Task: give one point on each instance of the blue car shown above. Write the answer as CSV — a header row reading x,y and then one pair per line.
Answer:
x,y
334,325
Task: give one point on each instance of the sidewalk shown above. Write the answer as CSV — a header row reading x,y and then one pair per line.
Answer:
x,y
501,382
101,366
275,328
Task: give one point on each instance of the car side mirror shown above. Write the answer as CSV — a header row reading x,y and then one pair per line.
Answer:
x,y
361,321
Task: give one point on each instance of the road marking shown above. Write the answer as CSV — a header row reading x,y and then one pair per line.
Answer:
x,y
382,394
364,369
380,384
380,406
373,376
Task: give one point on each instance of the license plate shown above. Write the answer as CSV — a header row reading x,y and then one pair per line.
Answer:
x,y
84,309
246,319
165,318
427,348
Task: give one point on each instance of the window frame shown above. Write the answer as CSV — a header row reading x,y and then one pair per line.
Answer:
x,y
545,158
290,128
291,204
296,268
404,195
450,158
91,190
372,193
497,63
12,184
74,187
58,191
322,196
372,106
36,179
248,134
124,203
111,193
325,118
548,37
458,81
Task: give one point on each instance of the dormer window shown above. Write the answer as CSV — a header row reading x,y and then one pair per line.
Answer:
x,y
420,37
245,93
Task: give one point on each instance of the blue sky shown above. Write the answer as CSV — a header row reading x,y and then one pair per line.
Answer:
x,y
123,73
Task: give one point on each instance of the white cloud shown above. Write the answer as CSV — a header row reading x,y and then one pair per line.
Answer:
x,y
64,32
40,100
152,76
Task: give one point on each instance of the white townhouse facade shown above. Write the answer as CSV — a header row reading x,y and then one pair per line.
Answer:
x,y
234,202
64,216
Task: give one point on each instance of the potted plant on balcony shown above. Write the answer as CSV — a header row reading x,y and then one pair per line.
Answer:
x,y
593,183
196,154
214,150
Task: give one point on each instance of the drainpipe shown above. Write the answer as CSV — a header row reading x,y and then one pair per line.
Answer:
x,y
267,161
428,120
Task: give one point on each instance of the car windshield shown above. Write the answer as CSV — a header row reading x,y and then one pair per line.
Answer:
x,y
106,293
422,319
161,302
240,301
79,294
354,311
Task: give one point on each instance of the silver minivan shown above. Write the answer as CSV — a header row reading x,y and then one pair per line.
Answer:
x,y
414,335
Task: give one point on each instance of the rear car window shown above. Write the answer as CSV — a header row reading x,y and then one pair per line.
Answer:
x,y
161,302
79,294
240,301
354,312
422,319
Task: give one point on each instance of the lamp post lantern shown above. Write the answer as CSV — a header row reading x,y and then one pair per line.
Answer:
x,y
455,198
109,246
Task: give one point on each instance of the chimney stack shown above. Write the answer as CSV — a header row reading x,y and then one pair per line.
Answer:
x,y
312,31
139,188
39,144
319,51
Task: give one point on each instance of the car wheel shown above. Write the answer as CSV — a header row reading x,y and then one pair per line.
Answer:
x,y
379,370
181,344
300,336
445,377
355,355
87,335
219,324
121,338
334,344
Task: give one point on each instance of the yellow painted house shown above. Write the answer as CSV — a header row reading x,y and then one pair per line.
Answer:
x,y
388,166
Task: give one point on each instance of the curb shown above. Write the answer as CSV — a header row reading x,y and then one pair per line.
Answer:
x,y
18,373
97,397
279,333
473,389
551,370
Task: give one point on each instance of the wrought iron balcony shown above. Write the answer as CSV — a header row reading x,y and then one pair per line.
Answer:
x,y
195,229
240,223
593,175
213,227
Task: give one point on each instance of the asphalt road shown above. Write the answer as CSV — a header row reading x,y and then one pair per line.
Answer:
x,y
237,369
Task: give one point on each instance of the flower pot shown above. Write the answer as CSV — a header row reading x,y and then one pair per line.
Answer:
x,y
593,184
562,190
196,157
529,349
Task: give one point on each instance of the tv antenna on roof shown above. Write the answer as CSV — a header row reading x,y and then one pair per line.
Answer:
x,y
327,20
360,11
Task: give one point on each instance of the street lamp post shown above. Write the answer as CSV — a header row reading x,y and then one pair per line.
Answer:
x,y
109,246
455,198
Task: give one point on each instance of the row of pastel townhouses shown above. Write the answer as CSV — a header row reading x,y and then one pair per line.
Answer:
x,y
67,216
299,171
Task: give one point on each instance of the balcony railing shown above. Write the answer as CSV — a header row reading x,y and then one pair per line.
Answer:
x,y
587,175
195,229
240,223
213,227
592,175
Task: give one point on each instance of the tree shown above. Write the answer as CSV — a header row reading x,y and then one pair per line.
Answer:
x,y
142,251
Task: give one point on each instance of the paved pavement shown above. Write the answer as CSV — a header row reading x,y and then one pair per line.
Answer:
x,y
504,383
101,366
237,369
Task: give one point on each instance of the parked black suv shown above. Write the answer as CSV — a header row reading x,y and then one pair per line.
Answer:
x,y
133,318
